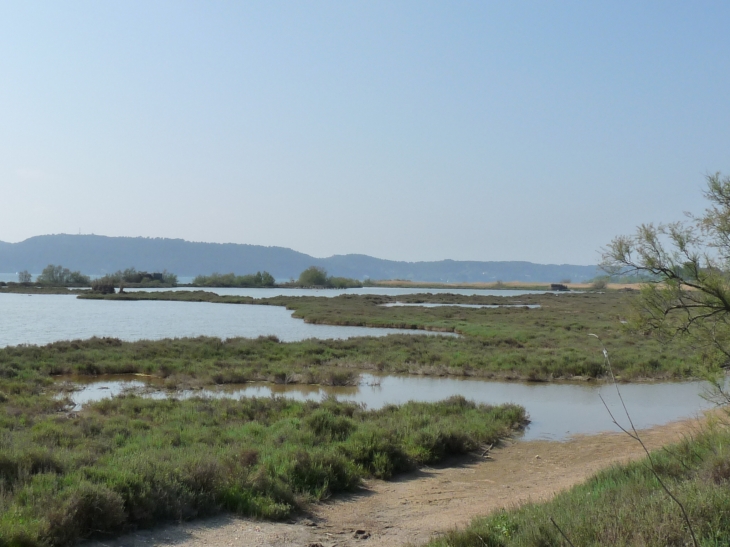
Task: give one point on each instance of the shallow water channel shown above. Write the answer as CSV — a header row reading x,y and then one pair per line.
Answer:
x,y
557,410
41,319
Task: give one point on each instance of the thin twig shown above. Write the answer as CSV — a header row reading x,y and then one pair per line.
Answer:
x,y
561,532
485,454
634,434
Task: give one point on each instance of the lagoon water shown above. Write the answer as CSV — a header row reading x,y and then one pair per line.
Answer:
x,y
330,293
557,410
41,319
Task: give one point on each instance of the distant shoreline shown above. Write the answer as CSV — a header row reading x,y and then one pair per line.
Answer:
x,y
12,287
495,285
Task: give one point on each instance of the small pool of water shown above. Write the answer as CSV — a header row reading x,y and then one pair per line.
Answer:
x,y
557,410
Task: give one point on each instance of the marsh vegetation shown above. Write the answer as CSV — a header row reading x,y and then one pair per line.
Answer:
x,y
58,276
259,279
133,462
540,344
316,277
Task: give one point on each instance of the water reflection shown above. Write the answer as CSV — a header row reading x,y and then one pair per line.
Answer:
x,y
557,410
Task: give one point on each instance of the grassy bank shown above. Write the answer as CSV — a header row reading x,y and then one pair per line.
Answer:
x,y
132,462
19,288
509,342
625,505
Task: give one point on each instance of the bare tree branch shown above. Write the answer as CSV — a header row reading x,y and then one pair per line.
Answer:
x,y
634,434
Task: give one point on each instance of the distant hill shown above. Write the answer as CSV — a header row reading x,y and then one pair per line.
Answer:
x,y
92,254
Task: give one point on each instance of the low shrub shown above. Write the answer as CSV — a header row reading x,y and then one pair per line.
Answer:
x,y
131,462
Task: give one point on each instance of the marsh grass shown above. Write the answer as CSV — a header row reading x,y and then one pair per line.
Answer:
x,y
507,343
132,462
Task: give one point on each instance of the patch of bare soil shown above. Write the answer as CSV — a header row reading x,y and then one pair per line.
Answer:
x,y
419,505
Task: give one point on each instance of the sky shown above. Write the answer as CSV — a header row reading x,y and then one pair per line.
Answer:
x,y
404,130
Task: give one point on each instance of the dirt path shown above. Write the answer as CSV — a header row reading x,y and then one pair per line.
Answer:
x,y
418,505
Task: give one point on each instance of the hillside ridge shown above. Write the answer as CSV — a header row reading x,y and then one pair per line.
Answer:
x,y
96,254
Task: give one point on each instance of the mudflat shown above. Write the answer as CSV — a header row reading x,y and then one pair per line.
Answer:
x,y
416,506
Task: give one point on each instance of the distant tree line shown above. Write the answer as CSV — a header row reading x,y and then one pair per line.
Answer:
x,y
314,276
134,278
259,279
58,276
132,275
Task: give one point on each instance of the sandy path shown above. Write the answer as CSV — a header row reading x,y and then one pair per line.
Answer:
x,y
421,504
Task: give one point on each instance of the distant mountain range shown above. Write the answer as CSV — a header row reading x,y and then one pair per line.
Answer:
x,y
92,254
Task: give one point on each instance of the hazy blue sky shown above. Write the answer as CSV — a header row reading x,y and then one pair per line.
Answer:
x,y
406,130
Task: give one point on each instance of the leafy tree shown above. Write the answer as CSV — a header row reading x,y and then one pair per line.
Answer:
x,y
51,275
265,279
60,276
314,276
77,278
687,265
24,277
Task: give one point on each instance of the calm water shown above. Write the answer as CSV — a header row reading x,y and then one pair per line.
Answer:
x,y
557,411
41,319
329,293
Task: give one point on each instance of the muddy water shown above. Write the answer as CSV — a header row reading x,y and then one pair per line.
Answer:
x,y
557,410
41,319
